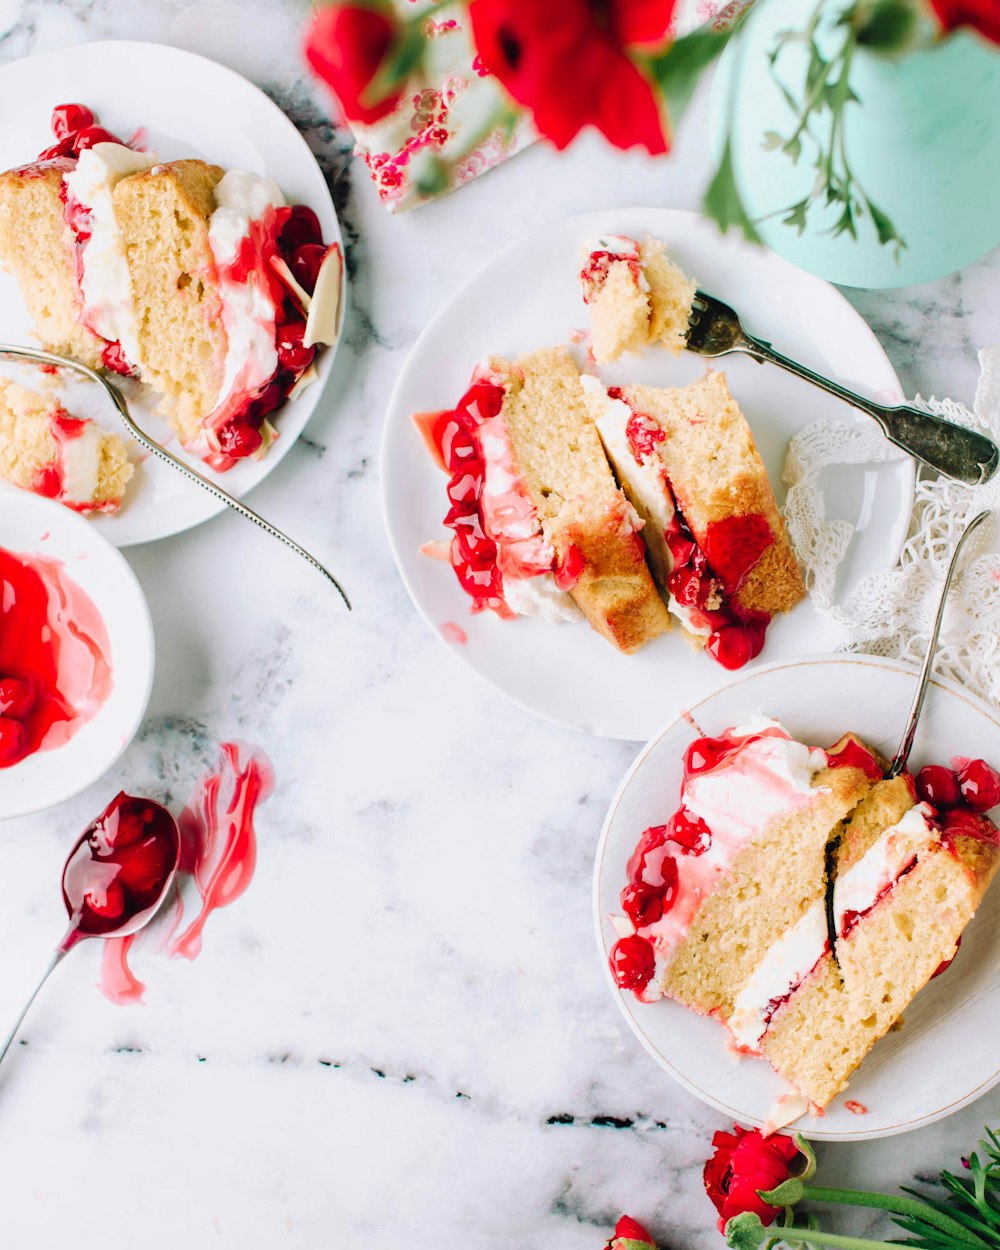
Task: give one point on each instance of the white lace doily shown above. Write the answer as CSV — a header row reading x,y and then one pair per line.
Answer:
x,y
890,613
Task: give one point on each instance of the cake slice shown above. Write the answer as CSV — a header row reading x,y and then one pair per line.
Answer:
x,y
906,886
686,458
540,528
740,861
69,459
637,296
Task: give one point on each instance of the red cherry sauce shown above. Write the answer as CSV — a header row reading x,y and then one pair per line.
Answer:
x,y
452,437
961,796
290,234
850,753
118,871
55,672
594,274
706,577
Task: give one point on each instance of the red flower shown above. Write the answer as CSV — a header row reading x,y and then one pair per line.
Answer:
x,y
981,15
569,64
628,1229
347,45
743,1163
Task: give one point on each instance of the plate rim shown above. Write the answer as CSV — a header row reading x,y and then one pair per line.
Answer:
x,y
238,81
897,537
95,539
815,1131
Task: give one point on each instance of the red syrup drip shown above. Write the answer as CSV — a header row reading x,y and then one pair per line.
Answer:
x,y
855,1108
945,964
54,657
118,982
849,753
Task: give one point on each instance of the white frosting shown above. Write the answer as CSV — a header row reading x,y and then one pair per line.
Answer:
x,y
540,596
248,312
80,458
796,953
686,616
105,285
617,245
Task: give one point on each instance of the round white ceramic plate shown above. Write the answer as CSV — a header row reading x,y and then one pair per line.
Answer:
x,y
945,1055
188,106
529,297
33,526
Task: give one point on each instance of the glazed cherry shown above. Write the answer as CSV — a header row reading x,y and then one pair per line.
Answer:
x,y
301,227
119,870
67,119
292,354
240,438
652,839
966,823
704,753
632,963
12,740
643,904
938,786
305,263
92,135
18,697
980,785
690,832
732,646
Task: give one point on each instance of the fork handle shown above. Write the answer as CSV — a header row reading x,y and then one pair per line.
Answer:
x,y
953,450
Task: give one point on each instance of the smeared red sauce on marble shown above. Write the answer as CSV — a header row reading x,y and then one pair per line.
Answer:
x,y
55,656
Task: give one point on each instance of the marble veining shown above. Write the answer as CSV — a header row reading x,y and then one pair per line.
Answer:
x,y
363,1053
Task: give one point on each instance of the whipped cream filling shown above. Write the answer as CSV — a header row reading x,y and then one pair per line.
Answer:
x,y
525,557
763,779
248,311
621,247
79,462
797,952
104,278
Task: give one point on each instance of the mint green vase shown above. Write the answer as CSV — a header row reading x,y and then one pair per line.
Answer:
x,y
924,142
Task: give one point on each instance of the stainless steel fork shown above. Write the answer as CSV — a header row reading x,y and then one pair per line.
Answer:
x,y
36,356
953,450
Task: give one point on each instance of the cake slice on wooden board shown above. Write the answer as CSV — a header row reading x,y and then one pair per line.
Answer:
x,y
686,458
539,522
637,297
69,459
37,246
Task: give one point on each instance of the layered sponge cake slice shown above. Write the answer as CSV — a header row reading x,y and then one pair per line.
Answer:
x,y
687,460
540,527
69,459
637,297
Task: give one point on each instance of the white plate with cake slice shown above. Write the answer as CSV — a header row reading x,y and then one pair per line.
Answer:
x,y
186,106
942,1056
529,297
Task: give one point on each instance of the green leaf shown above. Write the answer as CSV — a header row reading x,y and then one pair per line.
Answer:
x,y
677,70
723,203
884,227
787,1194
793,149
888,26
746,1232
772,140
797,216
845,223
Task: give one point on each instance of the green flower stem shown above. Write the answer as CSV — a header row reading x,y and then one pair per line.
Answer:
x,y
898,1205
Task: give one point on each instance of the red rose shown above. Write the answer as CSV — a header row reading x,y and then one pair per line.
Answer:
x,y
568,64
745,1162
981,15
628,1229
347,45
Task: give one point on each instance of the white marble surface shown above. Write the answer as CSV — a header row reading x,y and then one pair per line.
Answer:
x,y
400,1036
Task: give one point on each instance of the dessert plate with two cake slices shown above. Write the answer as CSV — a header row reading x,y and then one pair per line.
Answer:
x,y
185,106
942,1057
528,297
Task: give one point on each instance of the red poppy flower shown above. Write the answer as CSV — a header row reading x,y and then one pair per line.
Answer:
x,y
569,64
981,15
745,1162
629,1230
346,45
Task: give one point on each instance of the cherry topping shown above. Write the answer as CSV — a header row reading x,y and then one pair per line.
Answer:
x,y
733,645
18,696
113,357
240,438
65,147
980,785
291,353
67,119
92,135
305,263
120,868
734,546
12,740
643,904
705,753
301,227
652,839
965,823
938,786
690,832
849,753
632,963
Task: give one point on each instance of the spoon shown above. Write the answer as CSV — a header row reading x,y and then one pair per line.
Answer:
x,y
65,362
916,707
115,879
